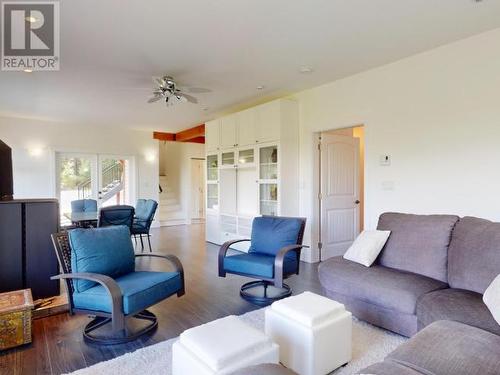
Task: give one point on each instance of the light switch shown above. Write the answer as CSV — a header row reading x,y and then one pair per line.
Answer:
x,y
385,160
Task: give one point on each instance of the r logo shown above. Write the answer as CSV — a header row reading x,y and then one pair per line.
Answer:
x,y
30,35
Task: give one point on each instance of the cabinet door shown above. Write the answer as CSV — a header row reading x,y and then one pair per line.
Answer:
x,y
228,132
228,191
246,127
11,247
213,229
268,122
212,135
42,219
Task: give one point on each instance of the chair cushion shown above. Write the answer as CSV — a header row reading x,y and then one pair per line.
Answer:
x,y
474,255
418,243
270,234
140,290
456,304
259,265
381,286
450,348
107,251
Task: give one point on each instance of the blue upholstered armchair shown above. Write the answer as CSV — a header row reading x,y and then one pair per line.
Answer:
x,y
144,214
101,280
116,215
274,255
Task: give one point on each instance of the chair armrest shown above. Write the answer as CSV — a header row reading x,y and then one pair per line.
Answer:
x,y
279,267
222,254
174,261
107,282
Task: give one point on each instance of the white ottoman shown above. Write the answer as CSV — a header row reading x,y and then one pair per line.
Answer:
x,y
313,332
221,347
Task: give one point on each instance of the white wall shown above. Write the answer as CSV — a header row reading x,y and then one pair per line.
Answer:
x,y
175,159
437,114
34,176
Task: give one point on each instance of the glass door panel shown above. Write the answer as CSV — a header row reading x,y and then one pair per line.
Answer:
x,y
213,196
268,199
76,179
114,181
227,159
212,168
246,157
268,160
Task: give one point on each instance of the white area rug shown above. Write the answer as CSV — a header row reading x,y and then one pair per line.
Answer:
x,y
370,344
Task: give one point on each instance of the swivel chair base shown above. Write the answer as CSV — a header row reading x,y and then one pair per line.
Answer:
x,y
98,331
263,293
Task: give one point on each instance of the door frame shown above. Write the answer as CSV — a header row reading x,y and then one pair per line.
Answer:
x,y
316,233
203,184
95,170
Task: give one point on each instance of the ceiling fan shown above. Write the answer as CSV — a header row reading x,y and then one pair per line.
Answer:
x,y
167,89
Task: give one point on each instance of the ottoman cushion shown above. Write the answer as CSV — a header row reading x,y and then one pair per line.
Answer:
x,y
308,308
225,343
265,369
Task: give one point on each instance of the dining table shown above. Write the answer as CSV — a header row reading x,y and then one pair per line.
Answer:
x,y
83,218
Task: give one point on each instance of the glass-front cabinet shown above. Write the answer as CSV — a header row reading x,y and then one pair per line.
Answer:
x,y
246,158
228,159
268,180
213,182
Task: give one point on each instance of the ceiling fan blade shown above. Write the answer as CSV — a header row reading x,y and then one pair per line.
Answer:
x,y
190,98
158,81
154,99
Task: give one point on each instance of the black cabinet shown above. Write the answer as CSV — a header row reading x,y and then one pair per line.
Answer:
x,y
27,257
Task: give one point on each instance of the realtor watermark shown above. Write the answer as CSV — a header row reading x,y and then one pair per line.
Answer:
x,y
30,35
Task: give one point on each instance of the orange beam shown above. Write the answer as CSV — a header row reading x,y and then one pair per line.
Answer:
x,y
189,134
164,136
197,140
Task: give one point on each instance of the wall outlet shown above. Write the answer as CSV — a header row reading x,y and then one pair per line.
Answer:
x,y
388,185
385,160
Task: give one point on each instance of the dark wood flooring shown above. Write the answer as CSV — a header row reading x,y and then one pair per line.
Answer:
x,y
58,345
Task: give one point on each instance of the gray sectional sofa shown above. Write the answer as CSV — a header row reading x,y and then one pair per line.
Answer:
x,y
429,277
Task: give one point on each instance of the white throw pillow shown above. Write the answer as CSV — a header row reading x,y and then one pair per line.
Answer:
x,y
491,298
366,248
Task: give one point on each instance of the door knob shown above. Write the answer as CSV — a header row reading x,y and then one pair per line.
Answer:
x,y
357,201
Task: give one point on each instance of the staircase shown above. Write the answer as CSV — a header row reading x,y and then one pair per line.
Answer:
x,y
170,211
112,181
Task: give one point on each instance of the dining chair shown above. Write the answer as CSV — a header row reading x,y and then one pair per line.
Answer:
x,y
145,210
84,205
116,215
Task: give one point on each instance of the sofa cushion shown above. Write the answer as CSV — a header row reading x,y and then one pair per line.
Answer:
x,y
259,265
140,290
270,234
418,243
474,255
382,286
450,348
107,251
455,304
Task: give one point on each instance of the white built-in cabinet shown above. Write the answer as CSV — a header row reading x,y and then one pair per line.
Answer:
x,y
252,169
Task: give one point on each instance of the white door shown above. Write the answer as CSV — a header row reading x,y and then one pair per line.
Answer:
x,y
228,191
340,193
197,189
116,176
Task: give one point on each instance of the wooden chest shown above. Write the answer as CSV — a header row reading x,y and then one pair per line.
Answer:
x,y
15,318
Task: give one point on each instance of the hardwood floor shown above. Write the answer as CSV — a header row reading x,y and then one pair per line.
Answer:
x,y
58,345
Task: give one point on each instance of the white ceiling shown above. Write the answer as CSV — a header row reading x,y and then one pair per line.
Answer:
x,y
110,49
